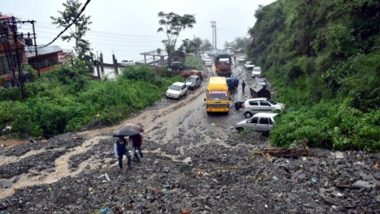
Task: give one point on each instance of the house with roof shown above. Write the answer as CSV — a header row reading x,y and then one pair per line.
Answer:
x,y
46,58
12,53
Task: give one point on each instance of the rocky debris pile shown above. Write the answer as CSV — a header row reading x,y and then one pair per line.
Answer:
x,y
64,141
212,179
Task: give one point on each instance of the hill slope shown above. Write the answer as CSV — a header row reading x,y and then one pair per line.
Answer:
x,y
323,58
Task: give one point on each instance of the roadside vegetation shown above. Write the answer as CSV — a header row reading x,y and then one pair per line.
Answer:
x,y
323,58
193,61
67,99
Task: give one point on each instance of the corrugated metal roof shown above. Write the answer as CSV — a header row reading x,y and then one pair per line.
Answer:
x,y
29,51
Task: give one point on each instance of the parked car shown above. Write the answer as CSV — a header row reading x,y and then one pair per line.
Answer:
x,y
241,60
260,122
255,105
208,62
249,65
256,72
193,82
191,72
176,90
260,81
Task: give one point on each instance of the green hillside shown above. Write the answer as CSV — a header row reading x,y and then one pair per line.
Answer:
x,y
323,59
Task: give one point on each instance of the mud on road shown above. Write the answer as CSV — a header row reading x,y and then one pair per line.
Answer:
x,y
192,162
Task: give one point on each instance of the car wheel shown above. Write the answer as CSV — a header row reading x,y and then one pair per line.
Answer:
x,y
248,114
240,129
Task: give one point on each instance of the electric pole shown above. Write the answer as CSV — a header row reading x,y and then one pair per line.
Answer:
x,y
18,60
35,42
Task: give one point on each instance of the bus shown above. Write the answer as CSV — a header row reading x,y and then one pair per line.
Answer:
x,y
217,96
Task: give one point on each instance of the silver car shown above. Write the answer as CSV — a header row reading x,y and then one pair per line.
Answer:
x,y
260,122
255,105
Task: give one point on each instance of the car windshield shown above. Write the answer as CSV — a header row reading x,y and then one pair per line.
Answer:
x,y
257,69
271,102
217,96
190,79
175,87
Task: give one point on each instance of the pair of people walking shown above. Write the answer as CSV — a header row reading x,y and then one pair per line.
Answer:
x,y
121,149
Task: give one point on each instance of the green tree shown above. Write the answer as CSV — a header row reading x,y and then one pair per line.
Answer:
x,y
172,24
80,27
206,45
191,46
240,44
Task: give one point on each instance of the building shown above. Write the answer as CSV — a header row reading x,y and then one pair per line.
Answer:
x,y
12,53
46,59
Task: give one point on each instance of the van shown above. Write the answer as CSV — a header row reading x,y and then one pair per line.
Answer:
x,y
217,95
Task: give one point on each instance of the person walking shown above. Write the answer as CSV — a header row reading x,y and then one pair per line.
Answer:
x,y
243,86
121,149
136,142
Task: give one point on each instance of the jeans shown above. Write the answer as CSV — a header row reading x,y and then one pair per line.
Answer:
x,y
120,159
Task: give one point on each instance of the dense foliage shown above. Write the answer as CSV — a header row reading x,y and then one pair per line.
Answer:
x,y
67,100
323,58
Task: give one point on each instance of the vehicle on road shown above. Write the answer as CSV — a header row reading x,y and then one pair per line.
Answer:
x,y
223,65
260,122
217,95
249,65
260,81
208,62
193,82
176,90
256,72
255,105
241,59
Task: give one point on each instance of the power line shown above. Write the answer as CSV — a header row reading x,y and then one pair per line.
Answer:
x,y
68,26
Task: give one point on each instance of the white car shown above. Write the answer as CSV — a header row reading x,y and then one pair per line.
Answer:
x,y
176,90
249,65
208,62
256,72
260,122
255,105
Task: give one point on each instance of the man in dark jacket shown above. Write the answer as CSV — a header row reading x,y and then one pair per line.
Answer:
x,y
243,86
137,141
121,149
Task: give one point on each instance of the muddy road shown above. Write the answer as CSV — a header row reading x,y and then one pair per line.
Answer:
x,y
192,162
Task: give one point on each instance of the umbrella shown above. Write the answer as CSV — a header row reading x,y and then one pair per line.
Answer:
x,y
133,126
125,132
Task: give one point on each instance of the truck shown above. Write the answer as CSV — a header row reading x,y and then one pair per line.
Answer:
x,y
223,65
218,98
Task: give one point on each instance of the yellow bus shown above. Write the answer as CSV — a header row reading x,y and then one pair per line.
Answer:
x,y
217,95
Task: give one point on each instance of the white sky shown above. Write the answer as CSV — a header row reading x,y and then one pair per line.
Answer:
x,y
129,27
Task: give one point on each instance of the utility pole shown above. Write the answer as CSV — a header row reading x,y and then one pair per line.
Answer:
x,y
18,61
34,41
35,45
213,26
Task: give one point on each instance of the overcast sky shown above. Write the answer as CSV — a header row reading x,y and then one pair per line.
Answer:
x,y
129,27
